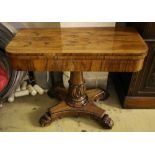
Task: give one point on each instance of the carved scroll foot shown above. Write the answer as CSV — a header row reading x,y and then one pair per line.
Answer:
x,y
107,122
46,119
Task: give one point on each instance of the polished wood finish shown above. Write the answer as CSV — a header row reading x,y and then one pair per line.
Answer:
x,y
137,90
59,41
64,110
139,102
94,95
77,50
77,103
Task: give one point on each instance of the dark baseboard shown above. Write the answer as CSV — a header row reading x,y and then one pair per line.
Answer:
x,y
133,102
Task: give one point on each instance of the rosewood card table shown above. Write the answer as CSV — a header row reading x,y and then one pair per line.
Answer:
x,y
77,50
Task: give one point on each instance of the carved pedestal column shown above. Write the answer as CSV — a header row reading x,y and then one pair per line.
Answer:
x,y
77,90
77,103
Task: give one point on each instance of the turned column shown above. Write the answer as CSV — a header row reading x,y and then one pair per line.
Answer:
x,y
77,90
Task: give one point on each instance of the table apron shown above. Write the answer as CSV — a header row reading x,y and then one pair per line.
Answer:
x,y
114,64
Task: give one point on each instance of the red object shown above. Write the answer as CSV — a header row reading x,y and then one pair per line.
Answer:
x,y
3,78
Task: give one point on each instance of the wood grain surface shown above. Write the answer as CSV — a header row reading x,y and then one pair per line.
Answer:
x,y
78,49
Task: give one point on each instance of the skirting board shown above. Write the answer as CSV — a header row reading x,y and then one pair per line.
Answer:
x,y
133,102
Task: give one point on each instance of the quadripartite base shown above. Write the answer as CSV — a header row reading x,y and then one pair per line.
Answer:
x,y
77,101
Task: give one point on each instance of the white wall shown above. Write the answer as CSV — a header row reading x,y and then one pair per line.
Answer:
x,y
87,24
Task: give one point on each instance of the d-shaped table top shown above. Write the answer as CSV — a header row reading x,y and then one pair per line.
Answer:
x,y
77,49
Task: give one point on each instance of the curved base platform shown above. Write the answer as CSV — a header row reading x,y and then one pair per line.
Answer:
x,y
64,110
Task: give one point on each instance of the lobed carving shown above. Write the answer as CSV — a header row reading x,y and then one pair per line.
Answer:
x,y
77,91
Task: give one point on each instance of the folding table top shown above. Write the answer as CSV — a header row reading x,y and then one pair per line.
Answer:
x,y
77,49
